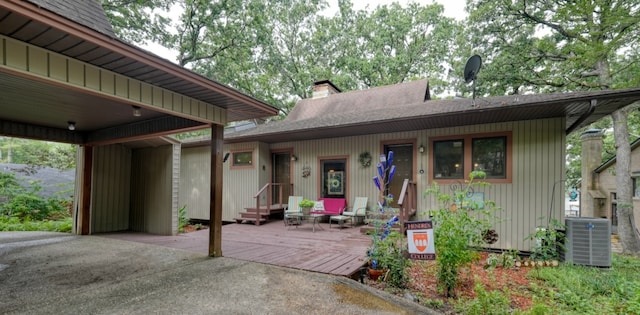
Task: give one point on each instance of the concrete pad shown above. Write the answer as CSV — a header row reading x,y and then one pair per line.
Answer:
x,y
56,273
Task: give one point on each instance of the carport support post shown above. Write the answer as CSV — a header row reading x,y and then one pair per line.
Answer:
x,y
85,202
215,203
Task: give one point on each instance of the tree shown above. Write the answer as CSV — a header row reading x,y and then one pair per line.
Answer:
x,y
276,49
140,21
554,45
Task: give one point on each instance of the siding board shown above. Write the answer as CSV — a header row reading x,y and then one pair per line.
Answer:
x,y
110,199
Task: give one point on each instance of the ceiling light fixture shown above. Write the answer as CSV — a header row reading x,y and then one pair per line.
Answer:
x,y
71,125
136,111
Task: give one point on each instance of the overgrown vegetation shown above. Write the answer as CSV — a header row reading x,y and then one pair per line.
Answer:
x,y
22,209
574,289
183,220
459,225
549,241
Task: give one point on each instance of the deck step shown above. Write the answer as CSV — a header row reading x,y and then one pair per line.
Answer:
x,y
241,220
253,215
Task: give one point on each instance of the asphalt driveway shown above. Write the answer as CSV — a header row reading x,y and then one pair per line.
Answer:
x,y
55,273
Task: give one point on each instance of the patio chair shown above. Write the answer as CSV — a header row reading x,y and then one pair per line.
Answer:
x,y
359,210
293,212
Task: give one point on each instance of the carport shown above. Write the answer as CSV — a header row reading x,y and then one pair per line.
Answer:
x,y
66,77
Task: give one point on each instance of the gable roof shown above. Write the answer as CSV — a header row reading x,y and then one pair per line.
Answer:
x,y
359,101
611,161
393,109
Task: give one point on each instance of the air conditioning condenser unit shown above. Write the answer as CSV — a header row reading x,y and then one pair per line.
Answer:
x,y
588,241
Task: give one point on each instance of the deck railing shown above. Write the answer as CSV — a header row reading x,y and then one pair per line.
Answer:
x,y
408,202
268,189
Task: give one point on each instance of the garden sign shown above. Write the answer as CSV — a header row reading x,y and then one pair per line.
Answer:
x,y
420,240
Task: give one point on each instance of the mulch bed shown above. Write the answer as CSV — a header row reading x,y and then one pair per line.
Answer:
x,y
424,286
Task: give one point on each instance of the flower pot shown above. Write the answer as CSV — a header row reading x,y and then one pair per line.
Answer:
x,y
374,274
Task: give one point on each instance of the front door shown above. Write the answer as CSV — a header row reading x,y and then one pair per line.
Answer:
x,y
281,175
403,160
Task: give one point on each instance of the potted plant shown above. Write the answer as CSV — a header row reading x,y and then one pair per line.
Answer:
x,y
385,256
306,206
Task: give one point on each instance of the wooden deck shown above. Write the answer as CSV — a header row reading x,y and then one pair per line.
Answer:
x,y
332,251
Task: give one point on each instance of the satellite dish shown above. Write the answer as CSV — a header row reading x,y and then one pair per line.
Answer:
x,y
471,70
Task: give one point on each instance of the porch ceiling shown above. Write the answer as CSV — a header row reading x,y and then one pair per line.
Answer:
x,y
28,104
575,108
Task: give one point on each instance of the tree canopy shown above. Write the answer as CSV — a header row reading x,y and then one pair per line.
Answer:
x,y
275,50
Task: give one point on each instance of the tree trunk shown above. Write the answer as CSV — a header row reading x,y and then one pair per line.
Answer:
x,y
626,224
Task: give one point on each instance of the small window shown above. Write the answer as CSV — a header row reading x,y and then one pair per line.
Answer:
x,y
243,159
448,159
636,186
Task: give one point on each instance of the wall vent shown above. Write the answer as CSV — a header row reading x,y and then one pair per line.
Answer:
x,y
588,241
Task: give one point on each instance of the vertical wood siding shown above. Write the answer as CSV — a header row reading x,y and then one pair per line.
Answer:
x,y
538,164
110,188
42,63
538,157
195,170
152,181
241,184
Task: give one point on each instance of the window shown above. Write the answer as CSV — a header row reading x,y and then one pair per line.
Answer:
x,y
453,158
334,180
448,157
242,159
636,186
489,155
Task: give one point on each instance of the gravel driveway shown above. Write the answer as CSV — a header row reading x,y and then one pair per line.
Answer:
x,y
56,273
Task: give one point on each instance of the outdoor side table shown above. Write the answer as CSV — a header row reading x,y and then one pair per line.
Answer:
x,y
315,217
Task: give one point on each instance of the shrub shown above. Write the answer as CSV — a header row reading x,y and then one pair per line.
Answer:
x,y
23,209
459,226
182,218
549,240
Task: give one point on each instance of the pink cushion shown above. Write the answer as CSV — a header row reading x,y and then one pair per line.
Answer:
x,y
334,206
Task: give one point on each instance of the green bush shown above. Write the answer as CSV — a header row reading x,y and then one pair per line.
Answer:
x,y
32,206
485,303
389,255
22,209
182,218
459,226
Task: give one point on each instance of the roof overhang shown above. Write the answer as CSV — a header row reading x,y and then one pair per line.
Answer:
x,y
579,109
37,104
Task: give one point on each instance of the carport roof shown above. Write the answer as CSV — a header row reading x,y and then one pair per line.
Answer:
x,y
79,29
395,108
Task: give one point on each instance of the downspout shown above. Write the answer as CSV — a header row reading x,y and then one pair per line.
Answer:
x,y
583,117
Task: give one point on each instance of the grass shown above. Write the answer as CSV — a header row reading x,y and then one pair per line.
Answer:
x,y
568,289
573,289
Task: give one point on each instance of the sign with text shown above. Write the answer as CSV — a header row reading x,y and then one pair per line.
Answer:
x,y
420,240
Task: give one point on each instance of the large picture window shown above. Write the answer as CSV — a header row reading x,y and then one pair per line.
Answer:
x,y
453,158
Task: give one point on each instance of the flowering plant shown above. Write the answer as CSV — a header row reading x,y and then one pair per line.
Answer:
x,y
386,251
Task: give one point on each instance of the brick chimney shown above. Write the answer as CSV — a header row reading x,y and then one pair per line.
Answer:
x,y
324,88
591,159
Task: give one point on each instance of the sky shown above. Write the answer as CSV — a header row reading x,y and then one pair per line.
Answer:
x,y
452,8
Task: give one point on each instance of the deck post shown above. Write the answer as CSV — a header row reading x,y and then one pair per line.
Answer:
x,y
215,193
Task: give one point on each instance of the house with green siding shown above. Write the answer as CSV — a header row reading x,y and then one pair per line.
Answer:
x,y
518,140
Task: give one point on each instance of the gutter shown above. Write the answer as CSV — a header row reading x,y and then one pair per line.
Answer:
x,y
583,117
